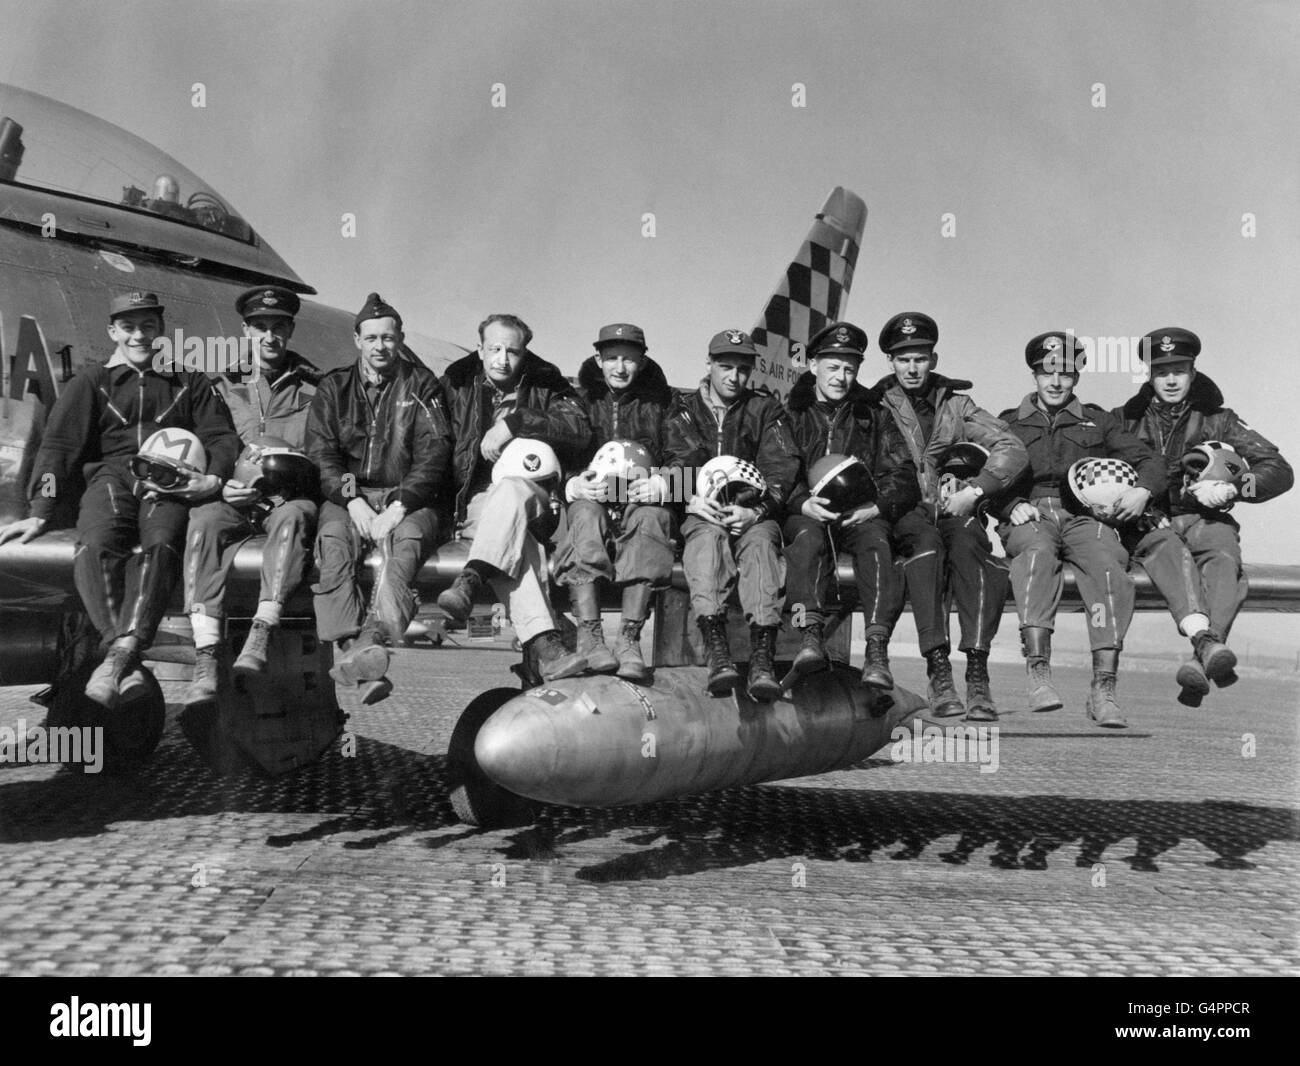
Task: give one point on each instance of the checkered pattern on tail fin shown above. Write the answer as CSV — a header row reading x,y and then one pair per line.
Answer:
x,y
813,291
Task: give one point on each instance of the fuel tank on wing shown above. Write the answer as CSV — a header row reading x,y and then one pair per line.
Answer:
x,y
603,742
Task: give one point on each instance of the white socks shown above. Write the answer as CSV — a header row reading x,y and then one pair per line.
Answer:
x,y
207,630
1193,624
268,613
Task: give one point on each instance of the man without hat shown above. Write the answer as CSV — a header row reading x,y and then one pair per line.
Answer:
x,y
1196,561
831,413
499,393
95,429
272,401
626,397
944,542
1040,534
726,543
379,434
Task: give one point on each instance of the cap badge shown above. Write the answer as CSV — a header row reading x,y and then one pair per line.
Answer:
x,y
1166,345
137,297
618,332
842,335
735,336
1051,344
269,300
907,326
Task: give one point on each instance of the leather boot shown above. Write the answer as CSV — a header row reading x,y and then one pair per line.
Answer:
x,y
585,600
204,681
875,672
1037,643
1218,660
1102,707
979,697
554,660
944,701
636,607
102,685
252,659
723,676
811,657
762,655
1193,685
366,658
458,601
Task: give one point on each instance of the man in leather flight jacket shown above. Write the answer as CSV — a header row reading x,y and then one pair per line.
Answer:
x,y
378,432
1196,561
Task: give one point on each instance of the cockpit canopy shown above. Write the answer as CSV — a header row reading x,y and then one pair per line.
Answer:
x,y
48,145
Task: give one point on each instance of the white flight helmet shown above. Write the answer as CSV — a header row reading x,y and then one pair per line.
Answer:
x,y
1097,484
534,460
727,480
169,458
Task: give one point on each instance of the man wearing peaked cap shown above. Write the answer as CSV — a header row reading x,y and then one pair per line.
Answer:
x,y
125,592
911,329
730,543
839,338
501,393
832,414
1196,562
626,397
379,433
270,402
269,301
943,541
131,302
1041,532
1056,350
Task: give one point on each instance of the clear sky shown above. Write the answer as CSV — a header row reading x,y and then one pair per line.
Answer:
x,y
1108,220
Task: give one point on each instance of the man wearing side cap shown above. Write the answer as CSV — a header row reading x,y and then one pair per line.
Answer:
x,y
734,543
1196,562
1040,533
943,543
830,413
627,397
272,401
95,429
498,394
379,433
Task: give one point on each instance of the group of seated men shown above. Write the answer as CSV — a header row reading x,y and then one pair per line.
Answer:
x,y
407,460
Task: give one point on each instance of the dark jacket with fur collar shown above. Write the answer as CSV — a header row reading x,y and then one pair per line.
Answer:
x,y
858,426
638,414
546,408
1203,417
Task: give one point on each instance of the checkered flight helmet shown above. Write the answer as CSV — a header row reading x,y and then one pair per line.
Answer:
x,y
534,460
843,481
729,481
1212,460
1096,484
961,462
169,458
620,461
277,468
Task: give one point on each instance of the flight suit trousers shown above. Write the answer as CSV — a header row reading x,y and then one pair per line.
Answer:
x,y
975,578
1215,544
643,548
811,564
1037,551
216,533
921,555
497,521
340,609
126,594
1169,564
714,559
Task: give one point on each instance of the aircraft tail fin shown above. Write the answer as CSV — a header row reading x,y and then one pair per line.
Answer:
x,y
813,291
